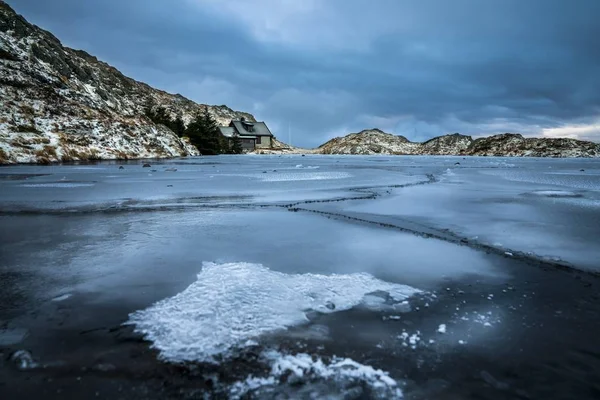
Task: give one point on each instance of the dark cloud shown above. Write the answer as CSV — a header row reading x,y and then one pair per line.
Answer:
x,y
417,68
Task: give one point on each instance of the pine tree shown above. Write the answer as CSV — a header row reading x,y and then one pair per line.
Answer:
x,y
204,133
236,144
178,126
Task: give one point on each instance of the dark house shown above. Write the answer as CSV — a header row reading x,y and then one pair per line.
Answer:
x,y
254,135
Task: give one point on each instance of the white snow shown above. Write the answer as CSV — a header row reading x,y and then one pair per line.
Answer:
x,y
554,193
63,185
306,368
304,176
231,303
241,388
442,328
62,297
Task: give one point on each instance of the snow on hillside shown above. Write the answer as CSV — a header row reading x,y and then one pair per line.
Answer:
x,y
374,141
60,104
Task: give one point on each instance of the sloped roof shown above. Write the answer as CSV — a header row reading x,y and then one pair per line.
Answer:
x,y
227,131
259,128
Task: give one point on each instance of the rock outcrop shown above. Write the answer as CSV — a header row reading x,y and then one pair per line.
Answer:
x,y
60,104
515,145
374,141
447,144
370,141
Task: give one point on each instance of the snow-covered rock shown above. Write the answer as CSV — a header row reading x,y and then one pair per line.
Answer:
x,y
374,141
60,104
447,144
511,144
370,141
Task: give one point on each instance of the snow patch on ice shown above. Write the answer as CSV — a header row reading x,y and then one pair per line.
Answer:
x,y
488,319
300,166
410,340
63,185
231,303
341,372
442,328
62,297
554,193
304,176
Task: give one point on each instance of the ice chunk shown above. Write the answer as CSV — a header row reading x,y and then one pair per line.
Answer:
x,y
342,372
23,359
442,328
62,297
231,303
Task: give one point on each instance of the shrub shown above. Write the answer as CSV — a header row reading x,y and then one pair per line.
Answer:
x,y
93,155
3,157
26,128
46,155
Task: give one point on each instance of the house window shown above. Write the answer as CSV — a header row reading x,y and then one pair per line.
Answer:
x,y
258,140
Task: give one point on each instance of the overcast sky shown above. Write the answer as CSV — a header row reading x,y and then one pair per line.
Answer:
x,y
418,68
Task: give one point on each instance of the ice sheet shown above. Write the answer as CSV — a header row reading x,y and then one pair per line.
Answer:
x,y
523,208
232,303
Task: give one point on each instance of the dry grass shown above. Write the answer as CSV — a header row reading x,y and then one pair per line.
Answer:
x,y
29,143
3,157
93,155
46,155
69,154
27,110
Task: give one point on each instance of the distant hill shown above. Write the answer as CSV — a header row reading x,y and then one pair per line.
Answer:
x,y
375,141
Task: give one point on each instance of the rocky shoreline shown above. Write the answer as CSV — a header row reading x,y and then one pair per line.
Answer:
x,y
375,141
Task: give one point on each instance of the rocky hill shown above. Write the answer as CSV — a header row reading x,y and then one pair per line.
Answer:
x,y
374,141
370,141
60,104
447,145
515,145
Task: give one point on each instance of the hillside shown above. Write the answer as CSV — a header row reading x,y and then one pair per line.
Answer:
x,y
370,141
374,141
60,104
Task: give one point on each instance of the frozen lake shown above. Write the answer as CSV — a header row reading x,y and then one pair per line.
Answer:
x,y
293,276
